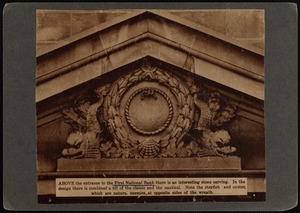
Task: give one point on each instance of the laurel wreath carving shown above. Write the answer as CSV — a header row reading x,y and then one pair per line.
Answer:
x,y
215,111
177,87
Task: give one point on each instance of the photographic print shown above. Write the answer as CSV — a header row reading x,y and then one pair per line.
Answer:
x,y
137,106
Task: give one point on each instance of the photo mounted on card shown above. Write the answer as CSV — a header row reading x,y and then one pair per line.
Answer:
x,y
150,106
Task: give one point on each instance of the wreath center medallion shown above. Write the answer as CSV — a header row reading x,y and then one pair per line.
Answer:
x,y
149,111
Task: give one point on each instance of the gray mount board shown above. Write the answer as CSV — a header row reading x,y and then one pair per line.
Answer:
x,y
19,146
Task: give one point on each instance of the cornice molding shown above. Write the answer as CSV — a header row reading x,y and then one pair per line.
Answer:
x,y
138,13
129,37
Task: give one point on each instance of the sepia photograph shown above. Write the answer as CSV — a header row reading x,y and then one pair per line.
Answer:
x,y
144,106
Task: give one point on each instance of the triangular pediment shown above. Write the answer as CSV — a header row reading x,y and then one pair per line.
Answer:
x,y
148,98
249,107
162,36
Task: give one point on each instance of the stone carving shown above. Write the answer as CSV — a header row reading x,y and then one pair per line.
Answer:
x,y
85,128
148,92
149,148
149,113
83,145
183,120
212,116
152,130
217,142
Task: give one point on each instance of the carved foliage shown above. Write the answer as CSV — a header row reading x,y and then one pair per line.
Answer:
x,y
215,112
84,138
207,137
184,119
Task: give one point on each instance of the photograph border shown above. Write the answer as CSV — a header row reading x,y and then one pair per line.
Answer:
x,y
19,148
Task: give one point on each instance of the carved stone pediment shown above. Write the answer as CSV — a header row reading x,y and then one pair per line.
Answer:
x,y
149,113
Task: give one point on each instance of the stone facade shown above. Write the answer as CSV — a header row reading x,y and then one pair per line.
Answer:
x,y
154,86
243,25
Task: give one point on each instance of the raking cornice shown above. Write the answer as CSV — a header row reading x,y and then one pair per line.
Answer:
x,y
157,34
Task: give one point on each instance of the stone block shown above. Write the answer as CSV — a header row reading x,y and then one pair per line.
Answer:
x,y
228,78
253,139
257,42
172,31
53,26
153,164
107,16
46,187
90,46
148,48
43,45
245,24
49,144
213,19
58,59
122,33
83,21
206,44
